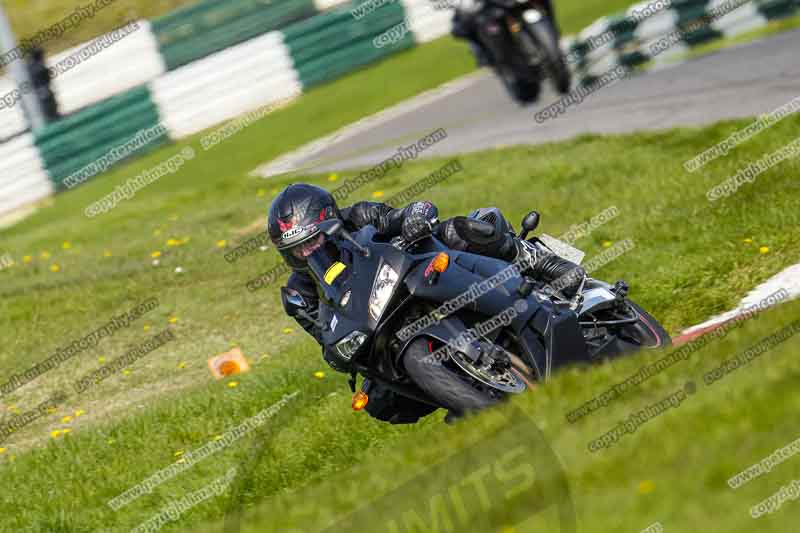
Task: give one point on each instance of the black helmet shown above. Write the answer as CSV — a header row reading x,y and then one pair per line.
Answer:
x,y
293,219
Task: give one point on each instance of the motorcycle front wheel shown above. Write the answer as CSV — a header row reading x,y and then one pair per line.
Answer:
x,y
546,36
449,387
524,91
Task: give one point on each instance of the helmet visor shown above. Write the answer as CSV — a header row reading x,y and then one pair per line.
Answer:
x,y
303,250
297,250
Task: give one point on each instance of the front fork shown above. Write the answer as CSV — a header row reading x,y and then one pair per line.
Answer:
x,y
532,52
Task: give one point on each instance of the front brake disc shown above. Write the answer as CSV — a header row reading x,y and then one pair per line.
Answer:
x,y
505,380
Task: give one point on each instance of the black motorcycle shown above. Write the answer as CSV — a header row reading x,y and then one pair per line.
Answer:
x,y
523,42
457,330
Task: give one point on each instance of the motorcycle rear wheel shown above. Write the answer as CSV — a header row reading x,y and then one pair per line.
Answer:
x,y
647,332
644,334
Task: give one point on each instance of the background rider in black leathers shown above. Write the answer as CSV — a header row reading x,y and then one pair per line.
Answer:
x,y
465,27
303,205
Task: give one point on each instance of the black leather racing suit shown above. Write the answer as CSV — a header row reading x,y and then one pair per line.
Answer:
x,y
458,233
465,27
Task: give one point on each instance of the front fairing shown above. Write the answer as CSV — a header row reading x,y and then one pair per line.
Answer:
x,y
345,298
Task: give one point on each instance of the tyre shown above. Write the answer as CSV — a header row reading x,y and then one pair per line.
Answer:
x,y
647,332
522,90
644,334
545,34
450,388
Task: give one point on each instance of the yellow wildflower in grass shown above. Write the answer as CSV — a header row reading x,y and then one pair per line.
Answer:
x,y
107,253
182,365
646,487
67,419
127,372
173,319
146,327
222,243
173,242
319,374
66,245
377,194
233,384
65,431
155,255
27,259
79,412
3,450
217,437
748,241
764,250
288,330
333,177
607,244
45,255
178,453
55,433
101,359
55,268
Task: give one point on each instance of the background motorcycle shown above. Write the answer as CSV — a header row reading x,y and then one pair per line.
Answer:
x,y
371,288
523,42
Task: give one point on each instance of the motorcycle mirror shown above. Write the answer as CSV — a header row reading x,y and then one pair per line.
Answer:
x,y
334,226
293,301
529,223
329,227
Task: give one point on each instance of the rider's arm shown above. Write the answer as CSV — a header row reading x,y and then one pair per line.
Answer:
x,y
388,220
304,285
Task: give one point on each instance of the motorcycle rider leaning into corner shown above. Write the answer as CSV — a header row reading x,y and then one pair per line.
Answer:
x,y
465,27
302,205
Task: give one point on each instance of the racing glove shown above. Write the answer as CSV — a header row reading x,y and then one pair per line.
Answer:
x,y
416,227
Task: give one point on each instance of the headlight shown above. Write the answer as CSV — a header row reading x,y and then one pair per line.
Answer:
x,y
348,346
471,6
532,16
382,290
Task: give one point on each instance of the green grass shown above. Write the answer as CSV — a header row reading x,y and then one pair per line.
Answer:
x,y
28,17
689,262
673,469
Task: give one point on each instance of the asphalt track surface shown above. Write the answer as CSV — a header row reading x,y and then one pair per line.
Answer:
x,y
477,114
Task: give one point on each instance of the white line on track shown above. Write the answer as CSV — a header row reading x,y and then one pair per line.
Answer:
x,y
291,162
